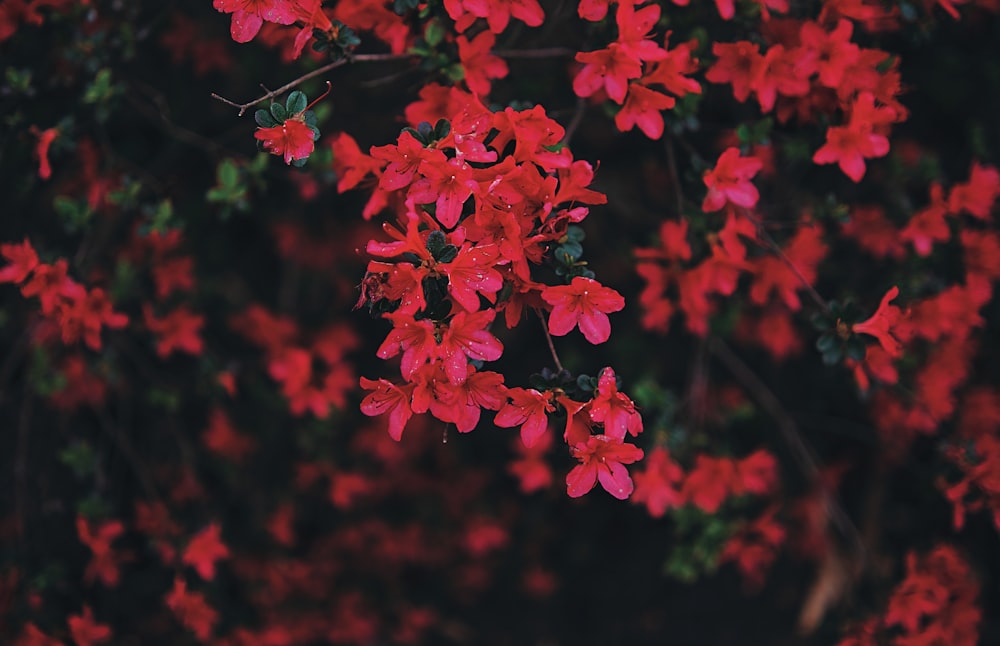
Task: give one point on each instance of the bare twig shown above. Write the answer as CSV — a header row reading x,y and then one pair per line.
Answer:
x,y
776,248
359,58
575,122
674,174
127,450
789,431
21,463
548,339
544,52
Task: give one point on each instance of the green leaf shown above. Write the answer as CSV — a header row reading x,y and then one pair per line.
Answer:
x,y
448,253
278,112
264,119
434,33
229,175
80,458
856,349
572,249
833,356
455,72
826,343
441,129
436,241
296,103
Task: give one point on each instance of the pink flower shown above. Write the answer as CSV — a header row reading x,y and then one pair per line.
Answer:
x,y
881,322
602,459
292,140
584,302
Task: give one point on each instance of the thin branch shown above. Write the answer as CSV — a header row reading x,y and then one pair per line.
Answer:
x,y
674,174
131,456
359,58
21,463
574,123
776,248
790,432
544,52
548,339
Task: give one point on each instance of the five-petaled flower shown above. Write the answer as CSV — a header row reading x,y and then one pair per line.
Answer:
x,y
584,302
602,459
729,182
292,139
881,322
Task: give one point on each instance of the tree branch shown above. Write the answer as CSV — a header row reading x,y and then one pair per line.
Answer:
x,y
790,432
548,339
359,58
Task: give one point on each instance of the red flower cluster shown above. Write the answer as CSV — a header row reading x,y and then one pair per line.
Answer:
x,y
634,56
462,252
810,71
77,313
934,604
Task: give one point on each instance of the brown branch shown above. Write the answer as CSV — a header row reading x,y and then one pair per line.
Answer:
x,y
544,52
574,123
548,339
776,248
359,58
674,174
790,432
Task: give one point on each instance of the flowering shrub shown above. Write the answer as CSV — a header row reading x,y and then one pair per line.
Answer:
x,y
506,287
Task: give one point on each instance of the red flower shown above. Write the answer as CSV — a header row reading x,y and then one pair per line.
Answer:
x,y
388,397
45,139
191,609
642,108
709,483
23,260
293,139
404,157
104,563
602,459
479,64
84,316
249,15
178,330
51,285
86,631
465,337
531,469
204,550
672,71
584,302
834,51
614,409
978,194
729,181
928,225
860,139
447,184
496,12
471,273
221,438
349,163
881,322
658,487
609,68
737,65
529,409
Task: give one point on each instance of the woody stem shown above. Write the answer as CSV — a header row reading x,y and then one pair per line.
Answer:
x,y
548,339
545,52
776,248
359,58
